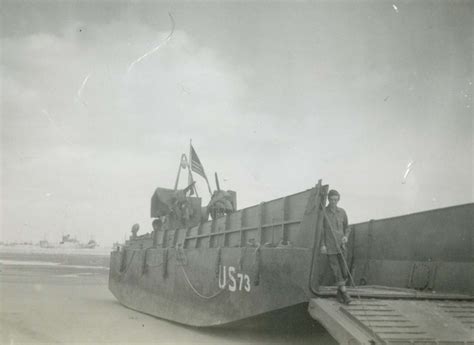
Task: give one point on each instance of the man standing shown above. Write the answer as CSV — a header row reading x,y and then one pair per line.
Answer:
x,y
156,224
335,230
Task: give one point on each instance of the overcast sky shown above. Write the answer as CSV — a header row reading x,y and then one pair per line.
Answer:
x,y
274,96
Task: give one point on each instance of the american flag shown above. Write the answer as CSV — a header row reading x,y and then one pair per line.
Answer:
x,y
196,165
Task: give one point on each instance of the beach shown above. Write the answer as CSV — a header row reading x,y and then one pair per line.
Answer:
x,y
61,297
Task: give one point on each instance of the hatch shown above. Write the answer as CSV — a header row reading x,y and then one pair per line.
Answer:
x,y
390,322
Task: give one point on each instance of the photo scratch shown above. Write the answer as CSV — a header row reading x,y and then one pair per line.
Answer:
x,y
167,39
407,171
81,88
84,82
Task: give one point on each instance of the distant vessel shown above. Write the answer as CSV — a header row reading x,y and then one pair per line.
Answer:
x,y
45,244
69,242
248,262
91,244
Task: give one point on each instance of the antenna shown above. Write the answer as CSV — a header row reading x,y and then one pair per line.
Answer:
x,y
217,182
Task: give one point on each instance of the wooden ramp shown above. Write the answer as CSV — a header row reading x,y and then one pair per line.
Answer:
x,y
384,321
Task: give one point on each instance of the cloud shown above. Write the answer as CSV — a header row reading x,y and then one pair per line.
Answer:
x,y
272,105
45,71
85,156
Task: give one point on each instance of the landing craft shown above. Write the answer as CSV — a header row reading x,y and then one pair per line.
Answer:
x,y
412,275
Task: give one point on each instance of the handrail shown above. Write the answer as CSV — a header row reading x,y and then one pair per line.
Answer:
x,y
315,245
248,228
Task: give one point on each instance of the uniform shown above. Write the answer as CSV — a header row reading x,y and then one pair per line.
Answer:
x,y
334,229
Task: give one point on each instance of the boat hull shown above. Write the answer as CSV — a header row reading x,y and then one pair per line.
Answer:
x,y
210,287
267,258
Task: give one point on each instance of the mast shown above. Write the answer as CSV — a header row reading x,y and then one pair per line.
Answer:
x,y
183,157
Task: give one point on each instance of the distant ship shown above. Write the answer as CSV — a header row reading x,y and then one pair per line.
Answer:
x,y
69,242
91,244
412,275
45,244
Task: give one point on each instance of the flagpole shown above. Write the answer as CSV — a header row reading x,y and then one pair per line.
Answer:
x,y
179,172
189,167
191,150
208,186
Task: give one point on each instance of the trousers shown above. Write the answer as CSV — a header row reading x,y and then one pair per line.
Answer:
x,y
336,263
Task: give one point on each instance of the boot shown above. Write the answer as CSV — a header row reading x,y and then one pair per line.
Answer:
x,y
340,296
346,298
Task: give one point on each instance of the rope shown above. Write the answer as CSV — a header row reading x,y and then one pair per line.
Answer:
x,y
218,261
257,263
164,261
346,266
122,272
182,260
145,265
181,256
160,264
196,291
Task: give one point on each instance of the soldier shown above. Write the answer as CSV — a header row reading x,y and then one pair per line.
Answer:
x,y
156,224
335,230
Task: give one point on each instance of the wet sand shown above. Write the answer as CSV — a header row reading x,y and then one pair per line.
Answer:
x,y
49,299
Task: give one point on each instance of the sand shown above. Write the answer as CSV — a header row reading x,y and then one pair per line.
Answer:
x,y
49,299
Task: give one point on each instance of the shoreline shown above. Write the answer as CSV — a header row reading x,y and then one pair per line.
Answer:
x,y
65,299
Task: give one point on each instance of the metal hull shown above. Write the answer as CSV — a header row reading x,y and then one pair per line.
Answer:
x,y
266,258
189,292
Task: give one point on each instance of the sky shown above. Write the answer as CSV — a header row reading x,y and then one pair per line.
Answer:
x,y
372,97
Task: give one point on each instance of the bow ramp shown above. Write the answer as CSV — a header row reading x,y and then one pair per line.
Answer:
x,y
396,322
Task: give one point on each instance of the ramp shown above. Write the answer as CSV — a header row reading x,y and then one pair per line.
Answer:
x,y
396,322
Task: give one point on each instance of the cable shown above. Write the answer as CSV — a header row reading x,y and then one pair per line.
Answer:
x,y
122,273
